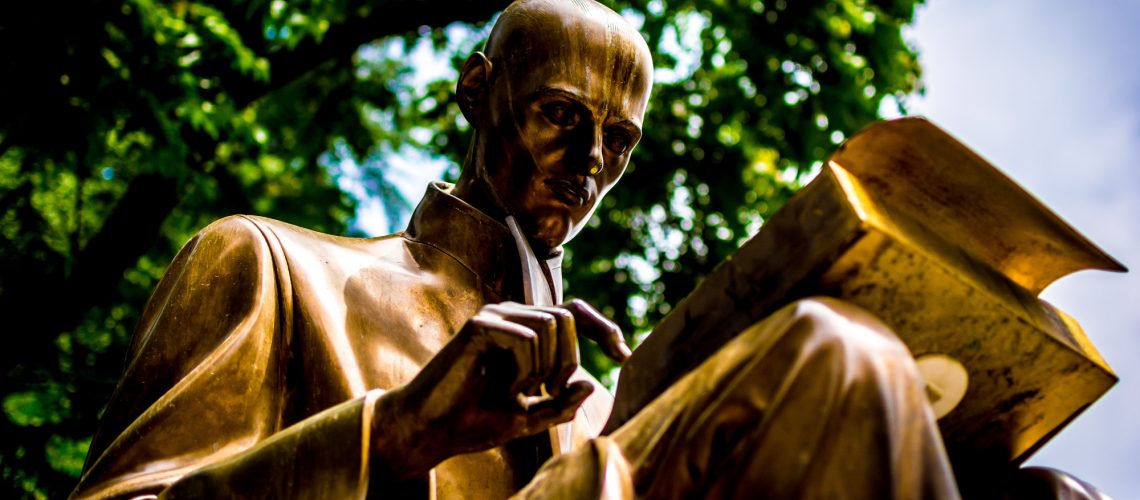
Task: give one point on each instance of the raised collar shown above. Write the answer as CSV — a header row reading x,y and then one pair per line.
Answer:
x,y
482,244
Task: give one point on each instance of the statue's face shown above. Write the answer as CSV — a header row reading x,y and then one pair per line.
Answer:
x,y
565,111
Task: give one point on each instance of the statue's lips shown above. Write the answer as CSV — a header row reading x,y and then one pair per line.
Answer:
x,y
568,191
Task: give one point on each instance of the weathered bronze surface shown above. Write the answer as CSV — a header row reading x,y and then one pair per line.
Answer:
x,y
275,362
911,225
953,258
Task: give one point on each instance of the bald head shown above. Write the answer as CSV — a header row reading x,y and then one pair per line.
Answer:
x,y
557,104
562,27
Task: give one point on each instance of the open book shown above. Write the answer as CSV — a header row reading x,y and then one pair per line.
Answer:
x,y
911,225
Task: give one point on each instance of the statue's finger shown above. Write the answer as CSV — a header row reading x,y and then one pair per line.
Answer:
x,y
520,343
547,413
568,357
545,326
598,328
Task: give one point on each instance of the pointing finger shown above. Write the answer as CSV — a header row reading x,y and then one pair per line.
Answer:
x,y
596,327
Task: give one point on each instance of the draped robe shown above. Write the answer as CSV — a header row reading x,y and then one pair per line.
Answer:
x,y
256,365
261,329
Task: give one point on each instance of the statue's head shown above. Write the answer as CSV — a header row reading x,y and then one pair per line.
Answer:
x,y
557,103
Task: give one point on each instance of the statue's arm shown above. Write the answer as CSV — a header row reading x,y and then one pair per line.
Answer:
x,y
201,407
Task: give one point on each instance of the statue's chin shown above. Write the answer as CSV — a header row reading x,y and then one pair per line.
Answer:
x,y
545,246
549,234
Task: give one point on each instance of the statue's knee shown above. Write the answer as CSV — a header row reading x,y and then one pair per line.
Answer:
x,y
833,321
597,469
1044,482
823,339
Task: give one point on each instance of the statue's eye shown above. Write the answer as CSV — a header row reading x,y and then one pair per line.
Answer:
x,y
618,141
560,114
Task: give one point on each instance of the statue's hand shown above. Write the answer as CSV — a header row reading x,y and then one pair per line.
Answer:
x,y
505,375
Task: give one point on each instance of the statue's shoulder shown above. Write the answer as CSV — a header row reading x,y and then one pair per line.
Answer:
x,y
255,228
261,241
252,225
233,239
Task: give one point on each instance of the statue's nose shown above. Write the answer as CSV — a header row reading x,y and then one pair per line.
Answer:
x,y
589,158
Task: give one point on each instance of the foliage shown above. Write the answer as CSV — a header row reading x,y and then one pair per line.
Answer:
x,y
125,127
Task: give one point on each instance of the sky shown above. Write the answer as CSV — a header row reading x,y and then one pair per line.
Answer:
x,y
1049,91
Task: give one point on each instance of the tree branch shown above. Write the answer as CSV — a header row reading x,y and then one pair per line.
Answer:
x,y
135,223
385,18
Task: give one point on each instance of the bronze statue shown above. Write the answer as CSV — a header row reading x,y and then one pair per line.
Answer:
x,y
276,362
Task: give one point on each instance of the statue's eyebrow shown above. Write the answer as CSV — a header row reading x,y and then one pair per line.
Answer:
x,y
577,98
630,126
557,92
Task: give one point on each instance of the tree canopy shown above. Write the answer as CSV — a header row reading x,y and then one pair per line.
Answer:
x,y
127,126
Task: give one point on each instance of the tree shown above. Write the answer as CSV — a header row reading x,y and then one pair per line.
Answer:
x,y
127,127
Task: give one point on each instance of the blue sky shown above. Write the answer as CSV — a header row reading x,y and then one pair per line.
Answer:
x,y
1049,91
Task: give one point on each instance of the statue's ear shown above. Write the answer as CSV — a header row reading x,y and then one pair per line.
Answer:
x,y
473,87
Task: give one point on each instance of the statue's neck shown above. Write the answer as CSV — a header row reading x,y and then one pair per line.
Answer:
x,y
479,194
473,186
479,242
